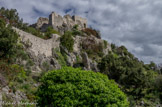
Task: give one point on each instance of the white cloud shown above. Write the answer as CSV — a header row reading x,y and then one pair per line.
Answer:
x,y
134,23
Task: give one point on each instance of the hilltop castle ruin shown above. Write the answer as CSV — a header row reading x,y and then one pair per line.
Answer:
x,y
60,23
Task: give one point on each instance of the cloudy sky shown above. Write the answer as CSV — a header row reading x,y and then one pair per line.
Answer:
x,y
135,24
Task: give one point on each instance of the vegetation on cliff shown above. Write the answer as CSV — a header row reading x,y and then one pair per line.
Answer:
x,y
8,40
67,41
136,79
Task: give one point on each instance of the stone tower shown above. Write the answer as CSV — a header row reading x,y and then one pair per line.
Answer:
x,y
55,19
80,21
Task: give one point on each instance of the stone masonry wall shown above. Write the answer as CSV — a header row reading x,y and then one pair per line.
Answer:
x,y
38,45
55,19
41,21
80,21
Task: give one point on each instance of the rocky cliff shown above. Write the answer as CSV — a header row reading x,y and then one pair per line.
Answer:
x,y
47,51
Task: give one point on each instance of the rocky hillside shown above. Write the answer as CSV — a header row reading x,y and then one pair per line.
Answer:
x,y
47,51
28,53
41,55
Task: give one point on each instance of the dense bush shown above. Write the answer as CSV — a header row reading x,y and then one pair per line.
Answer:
x,y
75,87
11,16
158,83
8,40
135,78
126,71
75,31
34,31
67,41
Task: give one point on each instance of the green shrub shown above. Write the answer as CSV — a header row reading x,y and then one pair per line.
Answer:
x,y
29,63
8,40
75,87
34,31
67,41
105,44
158,83
18,73
135,80
50,31
75,31
60,58
46,66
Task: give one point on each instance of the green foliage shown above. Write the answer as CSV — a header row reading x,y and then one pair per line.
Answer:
x,y
78,59
135,78
75,31
75,87
67,41
46,66
8,40
158,83
113,47
34,31
61,58
75,27
50,31
29,63
105,44
11,16
18,73
126,71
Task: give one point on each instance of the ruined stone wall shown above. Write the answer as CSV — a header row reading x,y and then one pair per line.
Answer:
x,y
41,21
58,21
55,19
80,21
69,21
38,45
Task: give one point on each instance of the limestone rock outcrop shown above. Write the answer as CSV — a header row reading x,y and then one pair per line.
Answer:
x,y
86,61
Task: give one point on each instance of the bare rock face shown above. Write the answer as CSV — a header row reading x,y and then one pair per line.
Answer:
x,y
3,81
55,63
16,97
86,61
93,66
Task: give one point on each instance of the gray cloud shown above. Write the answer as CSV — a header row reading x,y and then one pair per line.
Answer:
x,y
134,23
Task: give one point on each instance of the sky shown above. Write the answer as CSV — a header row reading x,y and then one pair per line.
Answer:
x,y
136,24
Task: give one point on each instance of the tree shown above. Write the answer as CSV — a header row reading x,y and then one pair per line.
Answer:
x,y
8,40
127,71
75,87
12,16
